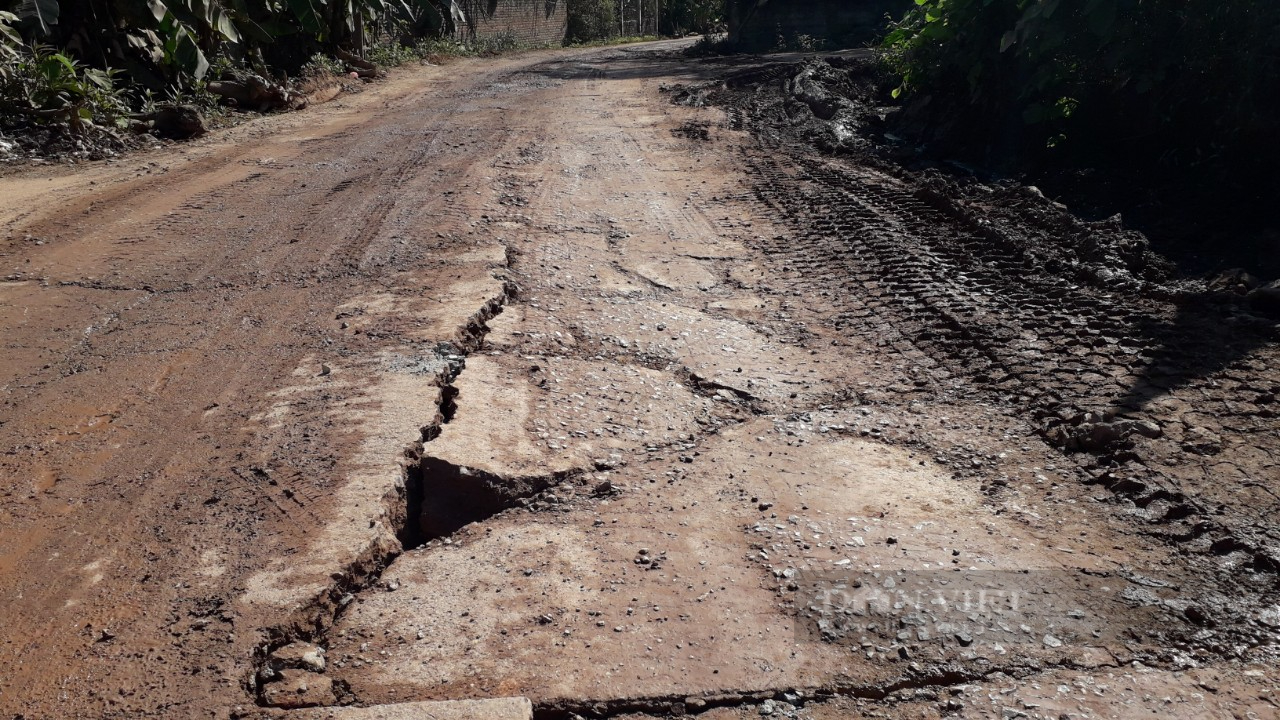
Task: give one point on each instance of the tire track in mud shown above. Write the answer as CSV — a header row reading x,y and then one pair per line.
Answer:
x,y
974,312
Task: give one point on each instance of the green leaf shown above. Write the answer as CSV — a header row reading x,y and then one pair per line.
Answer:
x,y
227,29
937,31
253,30
8,31
350,17
307,16
189,56
1008,40
99,78
158,9
40,14
64,61
201,10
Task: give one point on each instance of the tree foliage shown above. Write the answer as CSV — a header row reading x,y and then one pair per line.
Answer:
x,y
160,43
680,17
1190,81
174,46
602,19
592,19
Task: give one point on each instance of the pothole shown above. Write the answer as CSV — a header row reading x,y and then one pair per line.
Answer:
x,y
454,496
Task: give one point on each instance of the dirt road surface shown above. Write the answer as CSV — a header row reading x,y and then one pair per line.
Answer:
x,y
514,378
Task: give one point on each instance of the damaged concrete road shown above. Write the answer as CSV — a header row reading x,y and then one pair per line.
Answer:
x,y
499,391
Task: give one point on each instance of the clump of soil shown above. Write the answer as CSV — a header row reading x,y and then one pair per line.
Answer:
x,y
1203,225
842,106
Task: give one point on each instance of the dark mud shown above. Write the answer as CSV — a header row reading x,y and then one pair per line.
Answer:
x,y
1161,388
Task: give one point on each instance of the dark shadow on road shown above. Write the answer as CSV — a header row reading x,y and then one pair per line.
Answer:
x,y
1203,339
664,60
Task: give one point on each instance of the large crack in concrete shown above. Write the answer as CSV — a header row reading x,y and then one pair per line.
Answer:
x,y
432,500
692,705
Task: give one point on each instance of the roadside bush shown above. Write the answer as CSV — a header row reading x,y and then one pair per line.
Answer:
x,y
494,44
391,55
321,65
164,45
38,85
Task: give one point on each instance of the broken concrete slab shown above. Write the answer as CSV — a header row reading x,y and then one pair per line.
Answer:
x,y
694,576
520,427
415,306
399,396
389,416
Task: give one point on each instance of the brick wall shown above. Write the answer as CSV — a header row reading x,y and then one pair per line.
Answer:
x,y
531,22
846,22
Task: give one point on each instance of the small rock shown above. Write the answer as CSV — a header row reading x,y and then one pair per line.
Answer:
x,y
1236,281
1202,441
299,689
1100,437
766,708
1051,641
298,656
1266,298
1145,428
